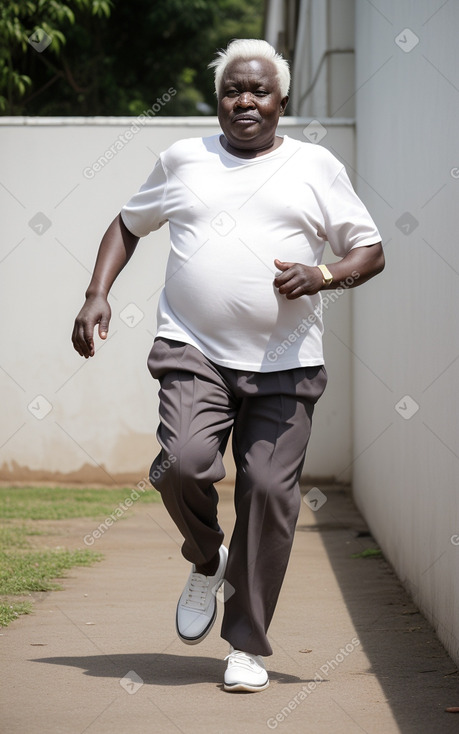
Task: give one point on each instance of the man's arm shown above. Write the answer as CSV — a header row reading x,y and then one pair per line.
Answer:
x,y
358,266
116,248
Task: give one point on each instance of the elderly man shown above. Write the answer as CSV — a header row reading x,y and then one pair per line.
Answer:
x,y
239,337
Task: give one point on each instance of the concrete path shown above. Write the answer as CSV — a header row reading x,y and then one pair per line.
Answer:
x,y
351,653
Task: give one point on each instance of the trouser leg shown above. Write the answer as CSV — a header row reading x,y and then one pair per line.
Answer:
x,y
270,437
196,415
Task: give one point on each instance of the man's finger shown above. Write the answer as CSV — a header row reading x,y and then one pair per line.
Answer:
x,y
285,276
87,341
84,340
282,265
78,340
103,328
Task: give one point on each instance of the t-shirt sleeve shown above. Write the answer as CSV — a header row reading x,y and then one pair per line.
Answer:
x,y
144,212
347,221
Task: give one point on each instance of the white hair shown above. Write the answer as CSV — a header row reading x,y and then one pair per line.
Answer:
x,y
249,49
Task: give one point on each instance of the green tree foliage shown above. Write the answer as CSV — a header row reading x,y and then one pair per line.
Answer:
x,y
109,57
29,29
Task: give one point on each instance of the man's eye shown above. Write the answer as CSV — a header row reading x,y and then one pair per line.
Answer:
x,y
261,92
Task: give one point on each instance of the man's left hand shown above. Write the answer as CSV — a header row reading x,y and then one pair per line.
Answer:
x,y
297,280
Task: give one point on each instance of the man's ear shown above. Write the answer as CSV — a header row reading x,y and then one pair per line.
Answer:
x,y
283,104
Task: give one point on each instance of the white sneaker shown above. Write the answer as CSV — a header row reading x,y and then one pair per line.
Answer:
x,y
197,606
245,672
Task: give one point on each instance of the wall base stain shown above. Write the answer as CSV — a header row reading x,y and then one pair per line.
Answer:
x,y
13,473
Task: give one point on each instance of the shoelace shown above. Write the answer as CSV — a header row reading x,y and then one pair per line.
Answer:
x,y
238,657
197,591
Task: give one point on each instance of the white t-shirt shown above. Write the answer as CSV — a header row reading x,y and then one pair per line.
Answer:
x,y
229,218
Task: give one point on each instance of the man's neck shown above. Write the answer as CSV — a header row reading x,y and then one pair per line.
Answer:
x,y
252,152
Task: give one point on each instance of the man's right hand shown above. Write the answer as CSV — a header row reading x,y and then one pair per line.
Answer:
x,y
117,246
96,310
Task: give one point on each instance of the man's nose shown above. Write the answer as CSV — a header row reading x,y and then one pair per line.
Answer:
x,y
245,100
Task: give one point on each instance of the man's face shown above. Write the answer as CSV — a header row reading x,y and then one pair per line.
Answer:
x,y
249,104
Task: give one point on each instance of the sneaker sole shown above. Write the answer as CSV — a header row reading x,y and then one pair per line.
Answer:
x,y
245,687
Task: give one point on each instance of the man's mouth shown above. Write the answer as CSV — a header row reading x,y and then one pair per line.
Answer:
x,y
245,119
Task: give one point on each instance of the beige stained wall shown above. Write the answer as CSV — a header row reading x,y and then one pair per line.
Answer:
x,y
69,420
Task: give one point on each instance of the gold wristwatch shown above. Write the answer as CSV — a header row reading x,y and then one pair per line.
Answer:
x,y
326,275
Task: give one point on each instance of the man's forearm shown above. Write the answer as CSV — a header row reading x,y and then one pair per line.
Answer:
x,y
116,248
358,266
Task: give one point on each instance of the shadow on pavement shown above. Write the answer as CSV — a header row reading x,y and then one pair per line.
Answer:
x,y
157,668
417,675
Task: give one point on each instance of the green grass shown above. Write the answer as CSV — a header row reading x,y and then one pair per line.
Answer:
x,y
25,569
16,536
10,612
59,503
368,553
21,572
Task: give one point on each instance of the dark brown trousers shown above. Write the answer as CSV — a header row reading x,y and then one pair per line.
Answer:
x,y
270,414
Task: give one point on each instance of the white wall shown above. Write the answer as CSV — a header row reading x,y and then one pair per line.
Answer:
x,y
103,412
406,370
